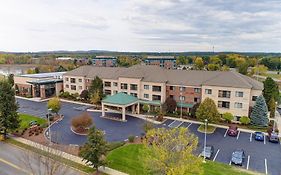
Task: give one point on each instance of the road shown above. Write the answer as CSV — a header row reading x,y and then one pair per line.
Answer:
x,y
12,161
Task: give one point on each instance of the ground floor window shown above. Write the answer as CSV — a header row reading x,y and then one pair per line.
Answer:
x,y
107,92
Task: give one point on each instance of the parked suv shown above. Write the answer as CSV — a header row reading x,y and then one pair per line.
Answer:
x,y
209,150
273,137
232,130
238,157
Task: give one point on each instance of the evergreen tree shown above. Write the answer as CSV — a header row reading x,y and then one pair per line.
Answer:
x,y
11,79
9,119
259,113
208,110
270,90
93,152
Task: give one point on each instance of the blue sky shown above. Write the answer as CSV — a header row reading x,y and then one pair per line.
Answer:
x,y
141,25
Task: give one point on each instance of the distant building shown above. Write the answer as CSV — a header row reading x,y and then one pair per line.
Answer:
x,y
104,61
168,62
43,85
65,59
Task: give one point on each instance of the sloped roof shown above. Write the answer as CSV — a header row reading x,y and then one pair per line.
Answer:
x,y
149,73
120,99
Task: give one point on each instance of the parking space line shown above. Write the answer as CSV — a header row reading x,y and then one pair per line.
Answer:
x,y
265,165
230,162
189,125
248,162
179,124
238,135
171,123
216,155
251,137
225,133
264,140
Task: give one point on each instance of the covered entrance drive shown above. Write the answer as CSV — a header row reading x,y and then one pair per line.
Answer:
x,y
45,88
121,101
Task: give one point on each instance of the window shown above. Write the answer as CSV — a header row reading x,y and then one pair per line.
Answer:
x,y
208,91
72,80
224,94
254,98
197,90
238,94
182,89
73,87
124,86
107,84
107,92
134,87
196,100
238,105
146,87
223,104
146,95
115,92
156,97
80,87
88,80
156,88
172,88
80,80
66,79
182,98
134,94
67,86
115,84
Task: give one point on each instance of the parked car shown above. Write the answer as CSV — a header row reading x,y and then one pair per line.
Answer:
x,y
238,157
259,136
209,150
32,123
273,137
232,130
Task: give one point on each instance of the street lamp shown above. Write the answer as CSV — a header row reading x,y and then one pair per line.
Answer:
x,y
181,89
205,140
49,123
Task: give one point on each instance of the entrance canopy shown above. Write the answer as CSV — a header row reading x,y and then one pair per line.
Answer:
x,y
121,100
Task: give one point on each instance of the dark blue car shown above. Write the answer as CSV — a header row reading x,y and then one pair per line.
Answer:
x,y
259,136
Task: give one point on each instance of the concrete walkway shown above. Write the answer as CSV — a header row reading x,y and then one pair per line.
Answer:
x,y
278,121
65,155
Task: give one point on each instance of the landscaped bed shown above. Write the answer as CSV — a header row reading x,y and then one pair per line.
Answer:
x,y
210,129
129,159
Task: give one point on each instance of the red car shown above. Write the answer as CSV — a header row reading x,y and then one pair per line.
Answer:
x,y
232,130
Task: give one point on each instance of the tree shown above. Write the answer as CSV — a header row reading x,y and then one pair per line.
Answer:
x,y
245,120
213,67
199,64
228,116
82,121
224,68
259,113
94,151
11,79
272,107
170,105
243,68
96,85
9,118
96,98
147,126
208,110
84,94
181,60
270,90
259,70
194,109
145,107
54,104
215,60
170,151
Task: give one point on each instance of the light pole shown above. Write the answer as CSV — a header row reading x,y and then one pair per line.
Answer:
x,y
49,129
205,140
181,89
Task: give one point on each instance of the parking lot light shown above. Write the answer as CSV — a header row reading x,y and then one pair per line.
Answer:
x,y
205,140
49,130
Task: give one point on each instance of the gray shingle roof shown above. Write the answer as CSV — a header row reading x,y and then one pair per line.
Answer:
x,y
176,77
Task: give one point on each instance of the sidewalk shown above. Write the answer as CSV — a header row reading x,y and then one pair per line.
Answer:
x,y
73,158
35,99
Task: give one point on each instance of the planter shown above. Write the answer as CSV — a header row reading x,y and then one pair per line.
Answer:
x,y
79,131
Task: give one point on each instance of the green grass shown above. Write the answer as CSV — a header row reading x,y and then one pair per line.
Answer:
x,y
67,162
26,119
210,129
129,160
276,76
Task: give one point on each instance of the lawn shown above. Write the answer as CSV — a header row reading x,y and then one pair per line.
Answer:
x,y
210,129
26,119
127,159
276,76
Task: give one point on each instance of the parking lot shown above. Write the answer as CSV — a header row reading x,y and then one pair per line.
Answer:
x,y
261,156
264,157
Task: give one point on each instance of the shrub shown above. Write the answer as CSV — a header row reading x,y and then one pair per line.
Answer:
x,y
145,107
147,126
83,121
245,120
228,117
131,139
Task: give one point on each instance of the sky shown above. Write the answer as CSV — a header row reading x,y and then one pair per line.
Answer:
x,y
140,25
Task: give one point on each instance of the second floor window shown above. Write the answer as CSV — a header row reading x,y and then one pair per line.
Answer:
x,y
223,104
172,88
146,87
80,80
115,84
156,97
224,94
146,95
182,89
72,80
73,87
208,91
134,87
197,90
238,94
238,105
254,98
124,86
156,88
182,98
107,84
66,79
